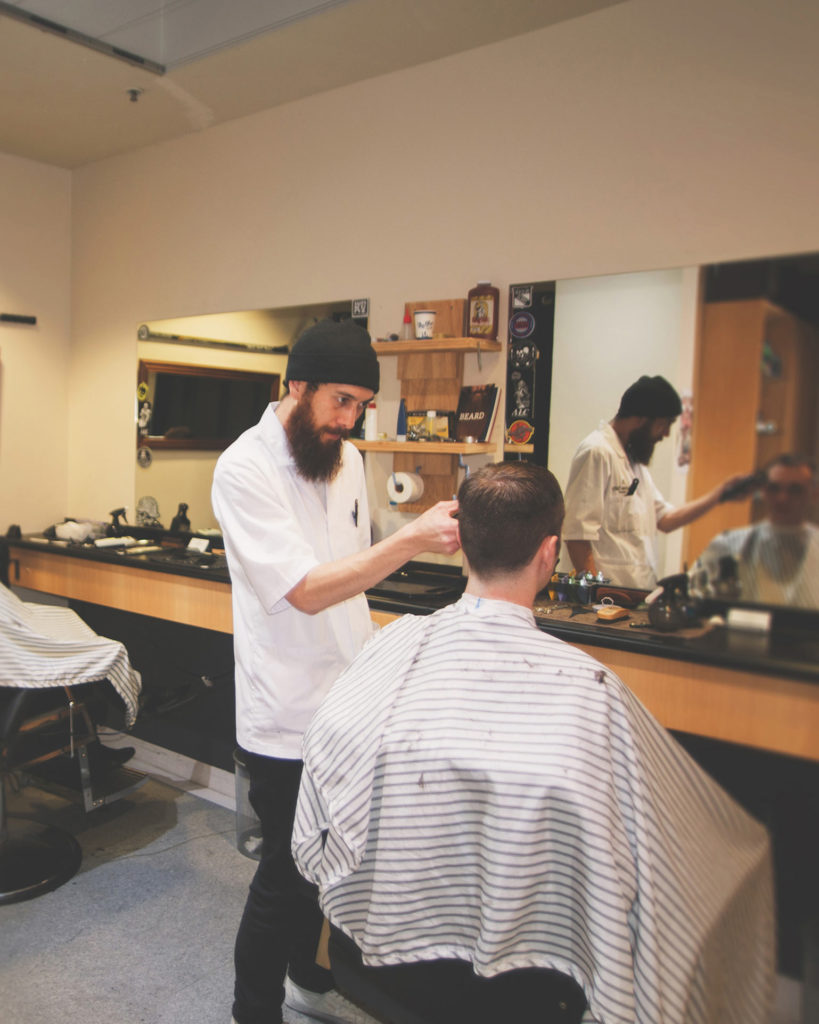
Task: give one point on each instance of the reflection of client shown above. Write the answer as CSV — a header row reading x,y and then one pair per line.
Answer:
x,y
776,560
480,793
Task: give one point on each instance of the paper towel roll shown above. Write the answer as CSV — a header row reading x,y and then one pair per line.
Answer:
x,y
404,487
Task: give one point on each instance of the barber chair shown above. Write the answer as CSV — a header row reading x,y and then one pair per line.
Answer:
x,y
48,736
47,730
449,991
34,858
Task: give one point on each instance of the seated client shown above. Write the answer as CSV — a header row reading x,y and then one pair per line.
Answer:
x,y
775,560
479,792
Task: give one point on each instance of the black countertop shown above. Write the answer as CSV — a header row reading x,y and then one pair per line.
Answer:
x,y
790,649
419,588
790,653
165,552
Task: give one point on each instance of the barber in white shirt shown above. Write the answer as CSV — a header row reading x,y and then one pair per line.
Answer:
x,y
613,507
291,500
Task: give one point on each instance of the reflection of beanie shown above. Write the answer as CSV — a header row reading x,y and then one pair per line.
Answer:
x,y
650,396
334,353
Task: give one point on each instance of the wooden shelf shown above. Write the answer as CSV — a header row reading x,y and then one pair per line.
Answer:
x,y
397,348
431,373
426,447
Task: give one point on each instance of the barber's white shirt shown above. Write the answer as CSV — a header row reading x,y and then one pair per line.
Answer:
x,y
276,527
621,526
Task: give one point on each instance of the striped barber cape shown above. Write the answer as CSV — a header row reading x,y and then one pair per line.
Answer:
x,y
476,789
46,645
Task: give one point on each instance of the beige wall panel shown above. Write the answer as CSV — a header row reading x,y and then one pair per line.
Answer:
x,y
35,278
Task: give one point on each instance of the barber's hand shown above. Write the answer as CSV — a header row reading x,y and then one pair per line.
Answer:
x,y
437,530
738,487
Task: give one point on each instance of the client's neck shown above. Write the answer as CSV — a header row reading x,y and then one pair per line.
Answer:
x,y
517,588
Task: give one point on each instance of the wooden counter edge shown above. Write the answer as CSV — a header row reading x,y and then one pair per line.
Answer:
x,y
186,599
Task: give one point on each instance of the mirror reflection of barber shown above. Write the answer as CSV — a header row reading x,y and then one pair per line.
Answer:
x,y
614,509
774,561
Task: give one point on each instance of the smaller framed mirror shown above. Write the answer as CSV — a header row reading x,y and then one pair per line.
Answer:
x,y
198,407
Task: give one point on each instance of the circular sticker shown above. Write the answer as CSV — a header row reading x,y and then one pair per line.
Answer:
x,y
142,390
521,325
144,456
519,432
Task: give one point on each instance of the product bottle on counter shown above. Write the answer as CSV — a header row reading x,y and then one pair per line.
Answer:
x,y
727,586
432,415
482,311
407,330
180,521
371,423
401,426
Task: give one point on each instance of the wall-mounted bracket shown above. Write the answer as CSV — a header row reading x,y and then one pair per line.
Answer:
x,y
14,318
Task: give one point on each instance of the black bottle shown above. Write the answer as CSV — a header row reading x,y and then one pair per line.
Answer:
x,y
180,522
114,528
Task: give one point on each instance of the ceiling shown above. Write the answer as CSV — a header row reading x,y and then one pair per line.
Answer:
x,y
69,104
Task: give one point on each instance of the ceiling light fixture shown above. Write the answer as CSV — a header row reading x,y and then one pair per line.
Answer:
x,y
46,25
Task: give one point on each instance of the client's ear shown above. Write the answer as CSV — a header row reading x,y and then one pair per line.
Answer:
x,y
549,552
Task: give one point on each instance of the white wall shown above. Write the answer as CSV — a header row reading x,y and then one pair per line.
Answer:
x,y
644,136
35,279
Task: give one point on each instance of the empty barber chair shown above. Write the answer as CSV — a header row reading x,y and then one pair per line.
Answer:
x,y
56,678
449,991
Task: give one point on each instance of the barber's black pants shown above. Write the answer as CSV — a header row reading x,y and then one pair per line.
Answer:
x,y
281,924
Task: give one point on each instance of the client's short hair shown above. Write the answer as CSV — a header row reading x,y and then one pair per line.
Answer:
x,y
505,511
793,460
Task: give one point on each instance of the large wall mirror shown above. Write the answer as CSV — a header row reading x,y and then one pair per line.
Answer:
x,y
207,355
608,331
739,341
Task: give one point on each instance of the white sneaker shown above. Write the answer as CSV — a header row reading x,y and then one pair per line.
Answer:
x,y
330,1007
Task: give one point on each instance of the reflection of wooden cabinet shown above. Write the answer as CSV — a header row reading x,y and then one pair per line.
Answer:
x,y
431,374
755,398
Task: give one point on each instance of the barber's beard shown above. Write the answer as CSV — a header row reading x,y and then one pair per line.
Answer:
x,y
640,445
316,459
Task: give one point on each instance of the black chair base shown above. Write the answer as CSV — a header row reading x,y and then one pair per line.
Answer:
x,y
35,859
75,776
449,992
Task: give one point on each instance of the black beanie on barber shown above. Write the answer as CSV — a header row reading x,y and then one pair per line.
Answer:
x,y
650,396
334,353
